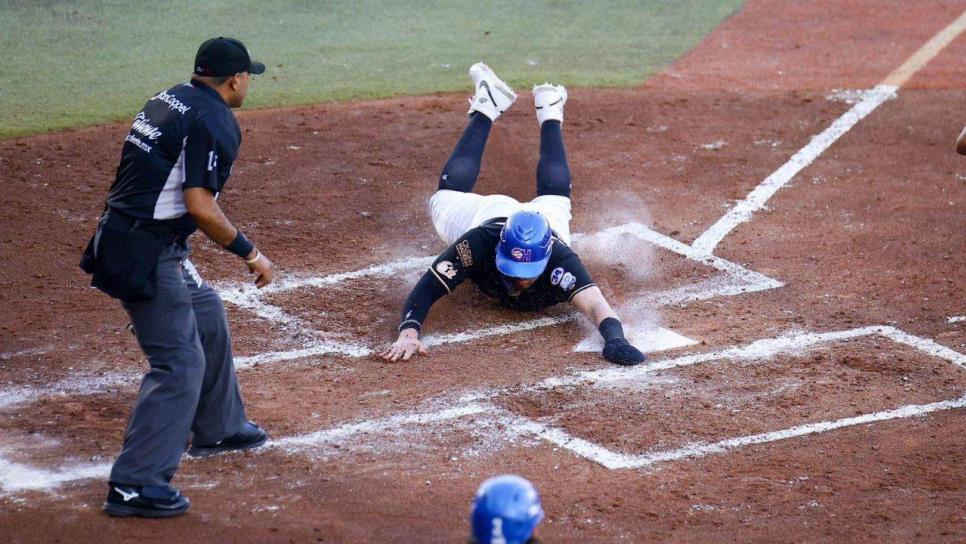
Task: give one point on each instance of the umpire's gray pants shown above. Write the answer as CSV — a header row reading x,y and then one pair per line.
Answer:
x,y
191,386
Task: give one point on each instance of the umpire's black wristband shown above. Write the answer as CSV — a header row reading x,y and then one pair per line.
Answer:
x,y
611,329
240,246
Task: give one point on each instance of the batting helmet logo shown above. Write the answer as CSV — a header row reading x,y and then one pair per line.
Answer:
x,y
522,255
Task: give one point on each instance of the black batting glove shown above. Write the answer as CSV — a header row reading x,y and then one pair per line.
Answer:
x,y
620,352
616,348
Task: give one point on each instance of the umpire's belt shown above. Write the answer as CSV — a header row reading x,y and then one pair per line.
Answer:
x,y
124,251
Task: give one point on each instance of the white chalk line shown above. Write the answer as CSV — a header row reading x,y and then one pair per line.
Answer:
x,y
871,99
498,330
374,426
757,350
313,350
700,450
248,296
745,208
18,477
77,385
357,350
477,402
618,461
24,353
956,319
264,310
719,286
682,295
578,446
723,285
925,345
291,282
723,265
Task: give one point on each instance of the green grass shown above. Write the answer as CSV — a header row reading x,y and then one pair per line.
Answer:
x,y
70,64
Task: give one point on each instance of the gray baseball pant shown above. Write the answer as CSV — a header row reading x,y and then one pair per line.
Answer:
x,y
191,386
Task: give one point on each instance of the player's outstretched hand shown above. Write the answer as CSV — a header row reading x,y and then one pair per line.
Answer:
x,y
263,269
406,346
619,351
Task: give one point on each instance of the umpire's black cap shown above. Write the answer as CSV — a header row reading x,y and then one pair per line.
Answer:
x,y
219,57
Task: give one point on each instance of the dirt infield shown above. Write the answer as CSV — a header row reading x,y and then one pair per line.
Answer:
x,y
820,399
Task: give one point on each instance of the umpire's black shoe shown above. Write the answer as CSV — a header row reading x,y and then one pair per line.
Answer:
x,y
148,501
251,436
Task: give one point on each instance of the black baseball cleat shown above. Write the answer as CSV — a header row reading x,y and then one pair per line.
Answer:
x,y
251,436
148,501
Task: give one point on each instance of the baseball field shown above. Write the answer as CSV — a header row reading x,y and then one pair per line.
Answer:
x,y
767,191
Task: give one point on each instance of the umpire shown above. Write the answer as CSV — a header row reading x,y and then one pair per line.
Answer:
x,y
174,162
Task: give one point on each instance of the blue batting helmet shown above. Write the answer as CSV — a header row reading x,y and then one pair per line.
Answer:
x,y
525,245
506,510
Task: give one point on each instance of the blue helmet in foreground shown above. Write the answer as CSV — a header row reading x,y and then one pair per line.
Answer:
x,y
506,510
525,245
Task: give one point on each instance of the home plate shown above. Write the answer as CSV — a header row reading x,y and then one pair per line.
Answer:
x,y
648,340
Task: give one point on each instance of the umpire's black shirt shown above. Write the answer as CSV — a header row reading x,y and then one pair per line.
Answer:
x,y
186,136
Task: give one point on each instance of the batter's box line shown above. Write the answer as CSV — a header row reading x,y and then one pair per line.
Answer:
x,y
479,403
723,285
733,279
705,290
20,477
617,461
245,293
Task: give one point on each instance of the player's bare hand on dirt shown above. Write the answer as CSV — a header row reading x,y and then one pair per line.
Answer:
x,y
619,351
406,346
262,267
